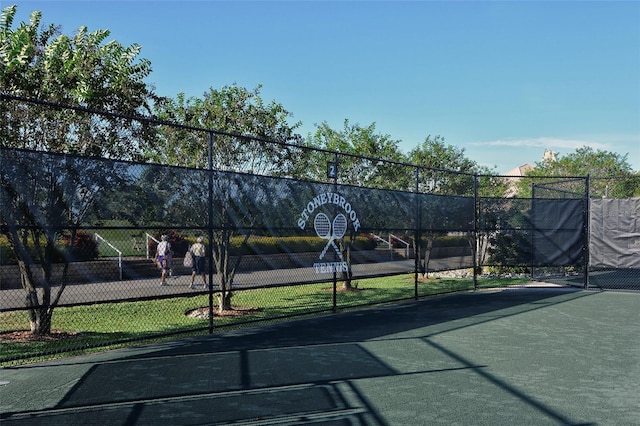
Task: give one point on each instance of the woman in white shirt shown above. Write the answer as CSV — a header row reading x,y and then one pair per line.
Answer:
x,y
163,256
198,252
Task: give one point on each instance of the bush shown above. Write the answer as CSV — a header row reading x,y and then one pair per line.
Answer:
x,y
265,245
6,255
510,249
271,245
179,244
365,242
84,247
451,241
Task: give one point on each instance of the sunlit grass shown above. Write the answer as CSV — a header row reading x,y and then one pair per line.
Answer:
x,y
99,326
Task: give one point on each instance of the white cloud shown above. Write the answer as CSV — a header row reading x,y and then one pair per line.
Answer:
x,y
508,153
547,143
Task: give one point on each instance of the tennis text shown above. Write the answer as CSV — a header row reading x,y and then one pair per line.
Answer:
x,y
330,267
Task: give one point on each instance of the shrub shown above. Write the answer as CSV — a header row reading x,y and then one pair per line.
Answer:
x,y
179,244
365,242
451,241
83,248
510,249
265,245
6,255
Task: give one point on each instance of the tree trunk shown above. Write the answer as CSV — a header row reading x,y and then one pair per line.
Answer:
x,y
427,256
39,314
225,295
226,272
346,277
224,301
481,245
40,320
40,310
417,250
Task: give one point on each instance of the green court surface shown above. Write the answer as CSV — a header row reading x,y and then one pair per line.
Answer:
x,y
525,356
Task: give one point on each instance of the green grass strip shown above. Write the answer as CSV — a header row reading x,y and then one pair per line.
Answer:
x,y
91,328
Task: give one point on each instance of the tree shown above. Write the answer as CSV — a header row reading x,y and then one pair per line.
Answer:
x,y
230,112
611,174
444,168
53,198
371,158
244,126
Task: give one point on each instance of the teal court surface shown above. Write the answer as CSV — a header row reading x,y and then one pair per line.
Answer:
x,y
519,356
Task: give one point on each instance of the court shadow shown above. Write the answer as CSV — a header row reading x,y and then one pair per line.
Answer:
x,y
302,371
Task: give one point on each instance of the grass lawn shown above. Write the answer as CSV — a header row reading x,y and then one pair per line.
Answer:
x,y
82,329
121,239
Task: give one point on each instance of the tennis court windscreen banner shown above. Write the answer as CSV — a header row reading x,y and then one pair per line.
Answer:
x,y
558,232
615,233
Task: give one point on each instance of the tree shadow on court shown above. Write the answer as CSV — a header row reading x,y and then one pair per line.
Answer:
x,y
292,371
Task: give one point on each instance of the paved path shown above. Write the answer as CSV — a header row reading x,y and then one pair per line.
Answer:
x,y
140,288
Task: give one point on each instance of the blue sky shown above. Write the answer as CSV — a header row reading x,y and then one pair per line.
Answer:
x,y
504,80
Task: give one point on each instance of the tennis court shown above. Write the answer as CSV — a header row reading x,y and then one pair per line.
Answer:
x,y
530,355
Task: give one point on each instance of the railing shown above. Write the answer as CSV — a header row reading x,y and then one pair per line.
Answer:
x,y
389,243
382,240
406,244
99,237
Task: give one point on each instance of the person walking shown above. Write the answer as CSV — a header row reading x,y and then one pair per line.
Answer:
x,y
198,252
163,257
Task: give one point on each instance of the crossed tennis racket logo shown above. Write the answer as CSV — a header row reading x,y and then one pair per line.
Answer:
x,y
330,231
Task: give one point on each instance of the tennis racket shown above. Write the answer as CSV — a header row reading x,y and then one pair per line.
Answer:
x,y
336,231
322,225
339,226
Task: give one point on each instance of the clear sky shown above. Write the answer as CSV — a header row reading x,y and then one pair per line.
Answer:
x,y
504,80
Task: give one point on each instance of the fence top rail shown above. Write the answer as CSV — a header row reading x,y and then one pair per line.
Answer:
x,y
156,121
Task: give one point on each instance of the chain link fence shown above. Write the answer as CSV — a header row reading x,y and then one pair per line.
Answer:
x,y
289,231
614,234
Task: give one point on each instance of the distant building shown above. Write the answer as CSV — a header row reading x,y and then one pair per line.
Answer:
x,y
520,170
547,156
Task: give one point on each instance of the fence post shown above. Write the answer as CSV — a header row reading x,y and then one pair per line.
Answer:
x,y
210,229
417,236
335,274
474,238
586,230
532,239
